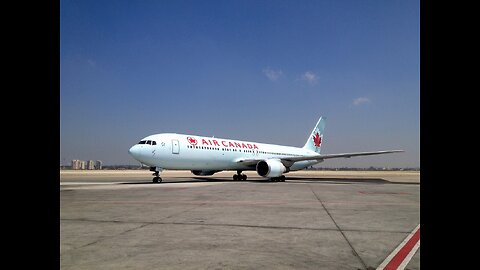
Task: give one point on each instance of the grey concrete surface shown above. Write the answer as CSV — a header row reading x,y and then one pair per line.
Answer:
x,y
123,221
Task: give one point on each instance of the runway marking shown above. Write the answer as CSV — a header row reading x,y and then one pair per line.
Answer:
x,y
122,185
402,255
237,202
382,193
88,183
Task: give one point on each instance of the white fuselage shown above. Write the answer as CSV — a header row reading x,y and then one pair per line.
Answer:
x,y
189,152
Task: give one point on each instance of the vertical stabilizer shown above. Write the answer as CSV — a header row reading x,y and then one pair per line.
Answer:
x,y
314,142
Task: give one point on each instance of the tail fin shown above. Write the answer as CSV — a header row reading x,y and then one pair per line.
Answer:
x,y
314,142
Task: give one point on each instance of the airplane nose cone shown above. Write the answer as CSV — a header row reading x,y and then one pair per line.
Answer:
x,y
133,151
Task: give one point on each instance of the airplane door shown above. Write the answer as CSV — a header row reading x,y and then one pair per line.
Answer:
x,y
175,147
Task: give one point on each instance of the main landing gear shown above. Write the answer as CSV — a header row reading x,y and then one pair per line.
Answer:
x,y
239,176
157,178
278,179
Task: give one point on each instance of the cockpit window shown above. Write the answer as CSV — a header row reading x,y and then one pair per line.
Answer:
x,y
148,142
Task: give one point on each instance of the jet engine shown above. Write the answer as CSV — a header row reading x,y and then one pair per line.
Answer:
x,y
271,168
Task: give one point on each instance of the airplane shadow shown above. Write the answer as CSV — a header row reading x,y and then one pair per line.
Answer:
x,y
340,180
197,180
230,180
322,180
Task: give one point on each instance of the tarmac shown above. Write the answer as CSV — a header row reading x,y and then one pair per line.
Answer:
x,y
313,220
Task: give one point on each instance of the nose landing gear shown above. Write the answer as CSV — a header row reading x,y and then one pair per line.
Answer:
x,y
157,178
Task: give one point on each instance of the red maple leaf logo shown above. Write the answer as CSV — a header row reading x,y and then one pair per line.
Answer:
x,y
192,141
317,140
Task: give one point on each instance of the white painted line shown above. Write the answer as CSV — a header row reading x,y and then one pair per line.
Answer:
x,y
88,183
409,256
116,186
402,255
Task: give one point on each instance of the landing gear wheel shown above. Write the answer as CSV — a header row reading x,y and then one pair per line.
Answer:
x,y
278,179
239,176
157,177
157,180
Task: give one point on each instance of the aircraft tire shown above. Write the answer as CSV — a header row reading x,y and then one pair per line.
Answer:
x,y
235,177
155,179
244,177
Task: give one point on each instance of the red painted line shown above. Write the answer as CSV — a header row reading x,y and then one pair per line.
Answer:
x,y
403,252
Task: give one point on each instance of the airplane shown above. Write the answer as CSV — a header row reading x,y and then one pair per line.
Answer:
x,y
208,155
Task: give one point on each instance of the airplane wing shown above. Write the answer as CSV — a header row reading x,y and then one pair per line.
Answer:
x,y
288,161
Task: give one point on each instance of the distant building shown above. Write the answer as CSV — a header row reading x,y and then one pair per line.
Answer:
x,y
91,165
98,165
76,164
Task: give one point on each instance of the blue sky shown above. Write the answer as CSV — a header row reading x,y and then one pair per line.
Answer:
x,y
251,70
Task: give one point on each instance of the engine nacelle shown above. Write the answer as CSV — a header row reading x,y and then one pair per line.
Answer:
x,y
203,173
271,168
